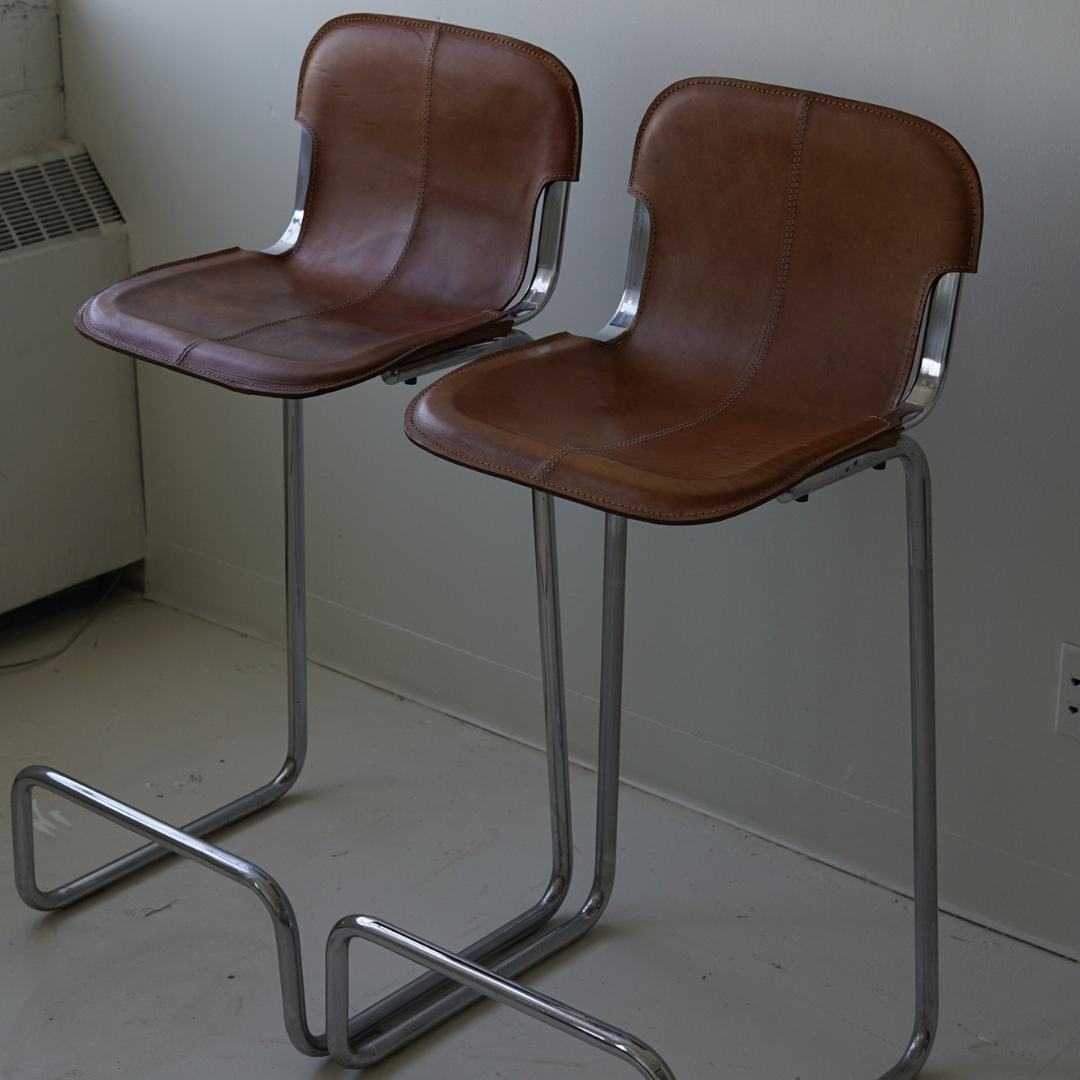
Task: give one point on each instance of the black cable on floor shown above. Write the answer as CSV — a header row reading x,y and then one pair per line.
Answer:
x,y
25,665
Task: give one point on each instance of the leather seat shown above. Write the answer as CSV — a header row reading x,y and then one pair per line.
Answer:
x,y
794,241
431,146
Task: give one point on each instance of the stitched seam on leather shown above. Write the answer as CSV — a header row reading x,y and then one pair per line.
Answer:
x,y
225,379
421,190
529,477
120,343
886,114
311,387
552,461
770,327
458,372
556,66
220,377
902,378
559,71
187,349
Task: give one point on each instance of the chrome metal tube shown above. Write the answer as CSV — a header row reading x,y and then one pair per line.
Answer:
x,y
551,663
374,1049
869,459
427,1001
480,981
611,676
636,260
923,723
296,664
295,581
923,738
180,842
549,247
935,344
924,760
303,174
423,1004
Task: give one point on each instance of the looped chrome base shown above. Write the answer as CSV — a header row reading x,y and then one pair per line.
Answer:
x,y
488,968
454,982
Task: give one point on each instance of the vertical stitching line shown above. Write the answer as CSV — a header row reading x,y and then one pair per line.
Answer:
x,y
770,329
420,193
187,349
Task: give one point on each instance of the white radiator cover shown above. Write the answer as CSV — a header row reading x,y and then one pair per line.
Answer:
x,y
70,475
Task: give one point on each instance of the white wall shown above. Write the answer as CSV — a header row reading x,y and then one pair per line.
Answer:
x,y
31,89
766,657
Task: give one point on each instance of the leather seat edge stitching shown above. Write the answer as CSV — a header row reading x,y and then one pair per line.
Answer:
x,y
420,193
528,479
887,114
770,327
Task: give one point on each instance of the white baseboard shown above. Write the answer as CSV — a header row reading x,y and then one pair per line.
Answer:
x,y
984,884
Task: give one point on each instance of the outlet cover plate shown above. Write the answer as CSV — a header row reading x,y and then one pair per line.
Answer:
x,y
1068,710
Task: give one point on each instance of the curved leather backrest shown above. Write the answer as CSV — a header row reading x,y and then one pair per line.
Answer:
x,y
432,144
794,240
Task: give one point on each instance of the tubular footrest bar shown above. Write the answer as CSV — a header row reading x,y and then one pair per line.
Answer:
x,y
580,1025
95,880
428,1001
408,1024
428,991
181,843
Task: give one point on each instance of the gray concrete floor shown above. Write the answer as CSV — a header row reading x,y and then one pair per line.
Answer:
x,y
730,955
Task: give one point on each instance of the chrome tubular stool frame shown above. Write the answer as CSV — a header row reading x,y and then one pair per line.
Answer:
x,y
924,385
429,1000
455,981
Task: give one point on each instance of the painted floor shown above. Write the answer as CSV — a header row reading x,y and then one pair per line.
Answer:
x,y
732,956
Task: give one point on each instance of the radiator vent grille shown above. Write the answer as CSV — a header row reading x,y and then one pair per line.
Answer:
x,y
50,199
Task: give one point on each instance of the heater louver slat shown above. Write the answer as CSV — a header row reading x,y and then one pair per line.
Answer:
x,y
48,200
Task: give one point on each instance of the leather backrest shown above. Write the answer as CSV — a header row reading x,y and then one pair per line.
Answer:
x,y
794,241
431,146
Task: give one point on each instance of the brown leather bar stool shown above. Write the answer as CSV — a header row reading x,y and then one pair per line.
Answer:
x,y
428,153
792,283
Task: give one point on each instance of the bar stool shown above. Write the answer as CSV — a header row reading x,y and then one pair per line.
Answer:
x,y
428,154
794,272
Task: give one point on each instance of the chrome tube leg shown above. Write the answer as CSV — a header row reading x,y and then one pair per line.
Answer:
x,y
924,765
551,663
180,842
295,582
423,1004
248,804
611,679
607,765
493,980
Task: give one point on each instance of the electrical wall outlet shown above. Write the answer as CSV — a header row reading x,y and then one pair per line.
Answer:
x,y
1068,710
